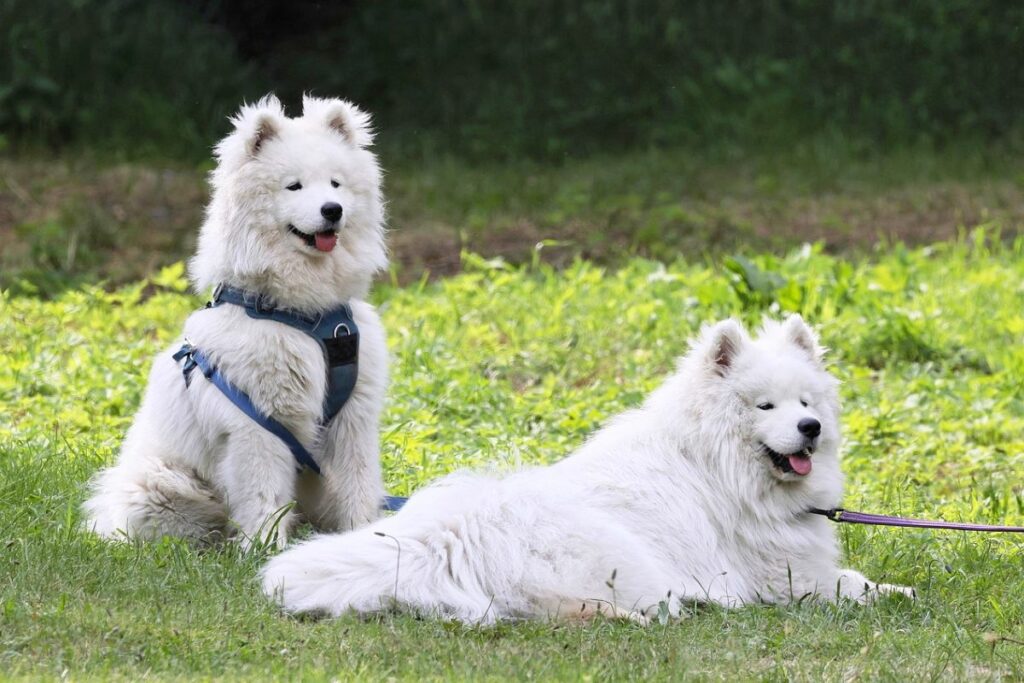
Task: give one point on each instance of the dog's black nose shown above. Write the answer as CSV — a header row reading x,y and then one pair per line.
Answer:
x,y
808,426
331,211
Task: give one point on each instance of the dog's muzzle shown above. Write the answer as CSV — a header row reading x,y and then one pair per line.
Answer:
x,y
322,240
798,463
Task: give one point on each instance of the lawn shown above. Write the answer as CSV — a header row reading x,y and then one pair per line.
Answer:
x,y
502,365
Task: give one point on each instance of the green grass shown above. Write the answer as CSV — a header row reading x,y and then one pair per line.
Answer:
x,y
501,365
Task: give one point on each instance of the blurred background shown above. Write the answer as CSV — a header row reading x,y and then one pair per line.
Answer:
x,y
597,128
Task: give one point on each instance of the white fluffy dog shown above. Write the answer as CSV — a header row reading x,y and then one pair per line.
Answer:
x,y
698,495
296,221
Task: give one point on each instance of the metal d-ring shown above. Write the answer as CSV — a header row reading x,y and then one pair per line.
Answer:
x,y
348,330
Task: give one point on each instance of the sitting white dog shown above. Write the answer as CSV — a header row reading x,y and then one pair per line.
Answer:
x,y
699,495
293,236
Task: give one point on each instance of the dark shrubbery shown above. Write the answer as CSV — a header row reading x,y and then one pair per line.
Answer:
x,y
130,76
528,78
546,78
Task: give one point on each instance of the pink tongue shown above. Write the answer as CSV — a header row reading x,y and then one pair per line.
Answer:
x,y
325,241
801,464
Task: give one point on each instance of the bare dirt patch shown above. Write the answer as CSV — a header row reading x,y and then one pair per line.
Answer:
x,y
119,223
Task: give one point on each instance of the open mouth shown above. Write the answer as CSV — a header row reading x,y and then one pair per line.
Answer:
x,y
797,463
324,240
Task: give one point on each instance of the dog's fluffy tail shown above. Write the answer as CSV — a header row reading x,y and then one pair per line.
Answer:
x,y
431,557
369,571
149,498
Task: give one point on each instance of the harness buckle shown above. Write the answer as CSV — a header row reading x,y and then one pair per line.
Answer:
x,y
186,350
186,353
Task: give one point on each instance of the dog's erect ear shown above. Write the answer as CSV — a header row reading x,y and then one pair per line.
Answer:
x,y
257,123
721,344
796,331
341,117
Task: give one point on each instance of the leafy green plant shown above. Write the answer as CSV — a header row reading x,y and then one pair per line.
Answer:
x,y
755,287
505,365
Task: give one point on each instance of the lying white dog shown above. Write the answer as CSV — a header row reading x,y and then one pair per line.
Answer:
x,y
699,495
293,235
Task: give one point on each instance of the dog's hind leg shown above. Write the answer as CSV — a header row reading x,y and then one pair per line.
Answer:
x,y
149,498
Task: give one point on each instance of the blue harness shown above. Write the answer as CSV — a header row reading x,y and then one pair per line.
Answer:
x,y
336,333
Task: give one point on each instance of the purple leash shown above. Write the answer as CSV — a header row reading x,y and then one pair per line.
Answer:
x,y
839,515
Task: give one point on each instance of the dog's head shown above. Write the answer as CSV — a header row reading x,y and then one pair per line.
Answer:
x,y
773,396
296,209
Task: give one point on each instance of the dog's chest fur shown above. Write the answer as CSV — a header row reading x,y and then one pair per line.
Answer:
x,y
282,369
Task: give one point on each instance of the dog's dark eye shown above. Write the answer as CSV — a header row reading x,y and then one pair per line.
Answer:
x,y
803,403
335,183
294,186
765,406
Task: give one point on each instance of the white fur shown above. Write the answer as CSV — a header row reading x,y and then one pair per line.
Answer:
x,y
192,463
672,502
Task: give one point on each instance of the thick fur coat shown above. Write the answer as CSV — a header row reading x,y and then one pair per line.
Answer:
x,y
698,495
296,214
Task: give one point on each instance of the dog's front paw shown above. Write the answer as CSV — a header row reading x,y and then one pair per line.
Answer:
x,y
855,586
893,589
272,535
598,609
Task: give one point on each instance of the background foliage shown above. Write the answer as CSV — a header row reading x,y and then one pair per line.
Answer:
x,y
590,143
127,76
506,80
502,366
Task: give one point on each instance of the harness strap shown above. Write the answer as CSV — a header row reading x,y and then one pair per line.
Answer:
x,y
335,331
261,306
195,358
839,515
